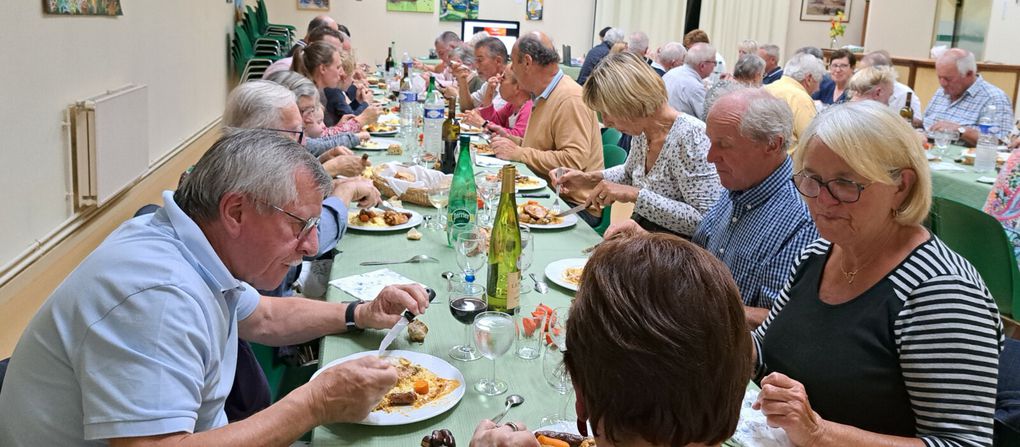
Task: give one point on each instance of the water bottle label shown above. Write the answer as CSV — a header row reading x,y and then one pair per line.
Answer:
x,y
437,113
459,216
984,128
408,96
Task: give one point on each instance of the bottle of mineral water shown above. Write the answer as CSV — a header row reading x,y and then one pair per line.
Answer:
x,y
435,114
986,152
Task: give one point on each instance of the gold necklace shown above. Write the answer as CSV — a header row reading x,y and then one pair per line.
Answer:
x,y
849,276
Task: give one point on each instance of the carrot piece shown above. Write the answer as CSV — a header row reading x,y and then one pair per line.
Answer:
x,y
529,326
551,442
421,387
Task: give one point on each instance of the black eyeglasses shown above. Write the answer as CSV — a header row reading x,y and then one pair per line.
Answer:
x,y
307,224
841,189
300,133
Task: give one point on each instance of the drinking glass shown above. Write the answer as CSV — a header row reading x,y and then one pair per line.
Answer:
x,y
553,367
488,187
527,255
439,196
494,335
467,300
530,335
471,245
942,139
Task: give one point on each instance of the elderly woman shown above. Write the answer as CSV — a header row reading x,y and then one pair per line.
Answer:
x,y
509,121
666,174
874,83
307,99
748,72
330,70
883,335
671,307
841,67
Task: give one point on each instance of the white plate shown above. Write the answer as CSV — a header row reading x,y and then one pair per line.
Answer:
x,y
406,416
412,222
568,221
554,271
383,143
533,186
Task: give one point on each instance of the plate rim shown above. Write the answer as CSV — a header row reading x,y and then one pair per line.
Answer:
x,y
558,279
454,397
390,141
383,134
415,220
568,222
542,183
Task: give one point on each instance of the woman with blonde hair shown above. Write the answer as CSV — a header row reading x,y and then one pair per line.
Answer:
x,y
874,83
667,175
883,335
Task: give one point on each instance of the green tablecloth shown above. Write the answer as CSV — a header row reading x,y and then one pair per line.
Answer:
x,y
524,376
961,186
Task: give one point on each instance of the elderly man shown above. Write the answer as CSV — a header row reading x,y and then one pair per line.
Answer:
x,y
963,97
444,44
801,79
760,224
671,55
684,84
770,54
137,346
320,20
898,99
562,131
637,43
490,61
612,37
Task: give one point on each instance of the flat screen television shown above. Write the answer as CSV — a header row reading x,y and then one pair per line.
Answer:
x,y
504,30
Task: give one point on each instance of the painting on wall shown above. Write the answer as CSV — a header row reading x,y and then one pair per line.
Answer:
x,y
824,10
315,5
83,7
534,9
457,10
426,6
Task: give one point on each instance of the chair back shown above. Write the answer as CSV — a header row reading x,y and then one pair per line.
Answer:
x,y
981,239
610,136
613,155
1007,398
3,371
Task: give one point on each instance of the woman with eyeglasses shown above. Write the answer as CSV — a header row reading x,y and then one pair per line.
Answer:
x,y
883,335
841,67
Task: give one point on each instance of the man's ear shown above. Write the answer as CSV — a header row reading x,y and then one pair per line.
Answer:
x,y
234,208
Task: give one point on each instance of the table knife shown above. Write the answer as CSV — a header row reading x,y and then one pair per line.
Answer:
x,y
573,210
405,319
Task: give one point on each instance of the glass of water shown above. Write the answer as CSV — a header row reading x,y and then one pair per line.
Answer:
x,y
494,335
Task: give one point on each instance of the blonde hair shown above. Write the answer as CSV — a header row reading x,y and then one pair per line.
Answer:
x,y
348,62
624,85
868,78
877,144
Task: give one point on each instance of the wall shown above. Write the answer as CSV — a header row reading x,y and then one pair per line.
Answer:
x,y
805,33
1003,33
373,27
177,48
903,28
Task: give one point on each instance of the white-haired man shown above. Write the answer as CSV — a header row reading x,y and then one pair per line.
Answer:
x,y
801,78
773,71
637,43
684,85
964,95
613,36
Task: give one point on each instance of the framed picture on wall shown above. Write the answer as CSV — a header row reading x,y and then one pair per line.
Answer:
x,y
74,8
315,5
457,10
426,6
823,10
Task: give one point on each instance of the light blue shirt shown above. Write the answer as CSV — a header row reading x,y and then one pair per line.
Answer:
x,y
552,86
684,90
140,339
967,109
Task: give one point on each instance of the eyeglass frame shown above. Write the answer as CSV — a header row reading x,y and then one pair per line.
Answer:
x,y
308,224
860,187
300,133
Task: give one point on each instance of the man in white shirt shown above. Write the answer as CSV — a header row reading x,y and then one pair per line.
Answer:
x,y
490,60
684,84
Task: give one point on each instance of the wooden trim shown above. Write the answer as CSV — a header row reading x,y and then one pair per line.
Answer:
x,y
864,24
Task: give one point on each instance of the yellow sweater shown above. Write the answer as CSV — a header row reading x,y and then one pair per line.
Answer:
x,y
562,131
801,104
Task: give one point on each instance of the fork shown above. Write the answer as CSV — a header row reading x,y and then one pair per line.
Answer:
x,y
556,203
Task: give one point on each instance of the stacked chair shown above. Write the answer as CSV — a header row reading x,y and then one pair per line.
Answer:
x,y
258,43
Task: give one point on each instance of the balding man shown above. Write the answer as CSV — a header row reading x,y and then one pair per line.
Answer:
x,y
320,20
801,79
684,84
773,71
760,224
898,99
958,104
562,131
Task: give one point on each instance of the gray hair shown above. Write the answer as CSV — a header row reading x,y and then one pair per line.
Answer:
x,y
541,54
495,47
964,62
748,67
748,46
229,165
721,88
257,104
766,117
614,35
803,64
447,37
296,82
771,50
465,54
698,53
877,59
638,42
672,53
478,37
814,51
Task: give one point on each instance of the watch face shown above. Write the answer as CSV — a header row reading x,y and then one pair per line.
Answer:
x,y
962,130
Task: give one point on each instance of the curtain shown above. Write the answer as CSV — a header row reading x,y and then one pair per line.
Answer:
x,y
661,20
728,22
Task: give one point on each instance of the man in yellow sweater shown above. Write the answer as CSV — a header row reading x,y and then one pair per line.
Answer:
x,y
801,77
562,131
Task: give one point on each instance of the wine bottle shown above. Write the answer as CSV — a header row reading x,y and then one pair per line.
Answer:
x,y
451,133
907,112
389,58
504,279
462,207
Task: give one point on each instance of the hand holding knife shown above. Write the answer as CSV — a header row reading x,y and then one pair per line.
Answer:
x,y
405,319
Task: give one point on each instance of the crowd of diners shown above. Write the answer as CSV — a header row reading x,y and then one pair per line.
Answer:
x,y
776,237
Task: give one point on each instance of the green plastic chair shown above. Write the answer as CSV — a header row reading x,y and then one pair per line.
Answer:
x,y
612,155
611,136
981,239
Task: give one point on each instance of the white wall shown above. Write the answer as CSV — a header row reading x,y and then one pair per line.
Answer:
x,y
177,48
1003,33
373,27
903,28
805,33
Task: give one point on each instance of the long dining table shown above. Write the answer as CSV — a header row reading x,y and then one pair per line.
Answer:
x,y
959,182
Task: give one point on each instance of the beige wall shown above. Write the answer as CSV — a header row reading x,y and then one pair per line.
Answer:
x,y
567,21
1003,33
805,33
903,27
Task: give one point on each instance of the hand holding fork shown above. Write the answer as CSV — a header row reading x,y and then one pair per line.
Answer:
x,y
556,203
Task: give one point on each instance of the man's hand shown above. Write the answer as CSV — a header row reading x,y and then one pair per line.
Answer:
x,y
490,90
346,165
488,434
357,189
505,149
945,126
461,72
364,136
349,391
623,229
384,311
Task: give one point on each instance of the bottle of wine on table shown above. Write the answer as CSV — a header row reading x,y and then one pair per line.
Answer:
x,y
504,279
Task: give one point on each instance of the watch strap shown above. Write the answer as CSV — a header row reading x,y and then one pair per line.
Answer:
x,y
349,316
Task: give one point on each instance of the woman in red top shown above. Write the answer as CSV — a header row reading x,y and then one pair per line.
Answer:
x,y
509,121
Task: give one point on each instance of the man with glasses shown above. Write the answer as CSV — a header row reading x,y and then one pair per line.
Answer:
x,y
684,84
138,345
760,224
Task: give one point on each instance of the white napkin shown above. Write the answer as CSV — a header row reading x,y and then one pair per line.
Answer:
x,y
488,162
946,167
367,286
423,178
753,431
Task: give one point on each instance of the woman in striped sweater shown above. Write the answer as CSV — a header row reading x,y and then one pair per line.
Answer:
x,y
883,335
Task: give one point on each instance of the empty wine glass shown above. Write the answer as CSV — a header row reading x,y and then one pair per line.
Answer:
x,y
494,335
942,139
553,367
488,187
471,245
439,196
467,300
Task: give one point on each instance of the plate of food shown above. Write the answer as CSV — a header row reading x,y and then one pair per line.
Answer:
x,y
427,386
482,148
523,182
563,431
535,215
377,144
389,119
381,130
566,273
467,129
374,219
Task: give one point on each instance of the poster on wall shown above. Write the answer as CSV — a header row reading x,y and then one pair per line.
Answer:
x,y
83,7
823,10
411,5
315,5
534,9
457,10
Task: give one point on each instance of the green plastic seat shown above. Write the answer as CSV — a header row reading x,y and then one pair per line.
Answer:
x,y
610,136
612,155
980,239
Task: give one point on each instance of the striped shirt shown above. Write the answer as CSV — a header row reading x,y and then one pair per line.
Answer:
x,y
966,110
915,355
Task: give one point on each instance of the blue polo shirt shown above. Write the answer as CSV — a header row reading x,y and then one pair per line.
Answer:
x,y
140,339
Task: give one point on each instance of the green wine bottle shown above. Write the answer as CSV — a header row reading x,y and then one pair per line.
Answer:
x,y
504,279
463,204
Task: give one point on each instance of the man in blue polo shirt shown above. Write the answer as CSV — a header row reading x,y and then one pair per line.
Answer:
x,y
137,346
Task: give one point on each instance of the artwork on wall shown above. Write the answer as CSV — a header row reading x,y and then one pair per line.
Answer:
x,y
411,5
824,10
457,10
318,5
534,9
83,7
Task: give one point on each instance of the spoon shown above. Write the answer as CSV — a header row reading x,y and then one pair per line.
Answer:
x,y
413,260
512,400
448,276
541,287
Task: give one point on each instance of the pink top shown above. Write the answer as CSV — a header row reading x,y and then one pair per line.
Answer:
x,y
514,123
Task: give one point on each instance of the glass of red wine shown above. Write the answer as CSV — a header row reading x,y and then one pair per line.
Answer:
x,y
466,301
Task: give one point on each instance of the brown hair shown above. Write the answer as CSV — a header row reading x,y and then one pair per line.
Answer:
x,y
310,57
695,36
843,53
657,344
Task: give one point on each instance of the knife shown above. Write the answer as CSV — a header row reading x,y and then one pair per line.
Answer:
x,y
573,210
405,319
534,195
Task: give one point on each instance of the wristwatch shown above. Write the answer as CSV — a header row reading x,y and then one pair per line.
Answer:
x,y
962,130
349,316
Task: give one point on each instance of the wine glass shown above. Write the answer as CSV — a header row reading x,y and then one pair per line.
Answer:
x,y
494,335
467,300
439,196
527,255
471,245
488,187
553,367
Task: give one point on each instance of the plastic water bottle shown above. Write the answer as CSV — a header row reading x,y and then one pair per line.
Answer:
x,y
408,104
987,143
435,114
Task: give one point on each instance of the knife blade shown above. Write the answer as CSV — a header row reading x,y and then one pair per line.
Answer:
x,y
573,210
533,195
405,319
